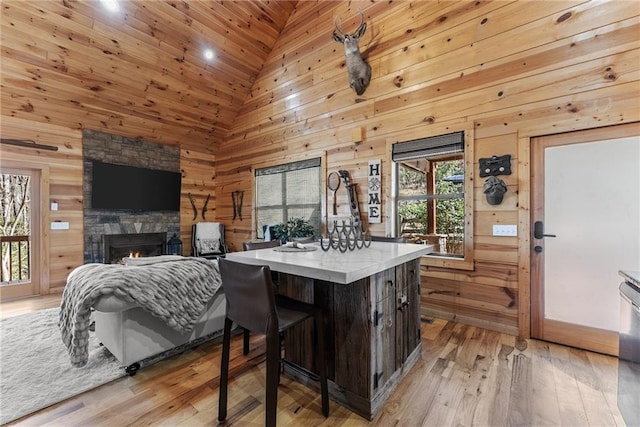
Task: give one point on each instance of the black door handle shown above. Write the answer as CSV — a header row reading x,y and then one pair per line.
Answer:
x,y
538,230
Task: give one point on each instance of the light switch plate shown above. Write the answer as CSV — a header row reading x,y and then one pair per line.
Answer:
x,y
505,230
54,206
59,225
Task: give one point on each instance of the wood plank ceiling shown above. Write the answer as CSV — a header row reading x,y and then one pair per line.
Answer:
x,y
138,72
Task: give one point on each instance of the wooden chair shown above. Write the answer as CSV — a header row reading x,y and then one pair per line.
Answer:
x,y
252,304
388,239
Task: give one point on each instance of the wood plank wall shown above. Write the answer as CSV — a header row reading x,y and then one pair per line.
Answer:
x,y
198,174
140,72
62,249
507,70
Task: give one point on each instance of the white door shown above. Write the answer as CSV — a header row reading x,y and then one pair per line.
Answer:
x,y
586,203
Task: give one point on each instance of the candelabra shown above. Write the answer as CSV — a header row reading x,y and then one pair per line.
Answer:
x,y
345,237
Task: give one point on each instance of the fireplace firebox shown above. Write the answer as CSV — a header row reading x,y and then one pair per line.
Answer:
x,y
118,246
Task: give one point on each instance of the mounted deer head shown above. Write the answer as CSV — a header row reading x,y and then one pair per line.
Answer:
x,y
359,71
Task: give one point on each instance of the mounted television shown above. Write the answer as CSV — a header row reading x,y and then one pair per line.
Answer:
x,y
120,187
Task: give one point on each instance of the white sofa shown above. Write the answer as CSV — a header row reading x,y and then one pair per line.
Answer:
x,y
132,334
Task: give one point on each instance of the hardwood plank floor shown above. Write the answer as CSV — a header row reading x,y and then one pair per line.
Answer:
x,y
467,376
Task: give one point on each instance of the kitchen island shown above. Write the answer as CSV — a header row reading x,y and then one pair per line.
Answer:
x,y
371,303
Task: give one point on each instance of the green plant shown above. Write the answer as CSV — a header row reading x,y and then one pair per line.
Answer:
x,y
294,227
413,217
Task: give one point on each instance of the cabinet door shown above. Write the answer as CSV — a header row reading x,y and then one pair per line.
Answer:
x,y
407,310
353,336
384,343
413,307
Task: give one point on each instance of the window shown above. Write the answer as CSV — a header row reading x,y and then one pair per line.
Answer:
x,y
288,191
431,195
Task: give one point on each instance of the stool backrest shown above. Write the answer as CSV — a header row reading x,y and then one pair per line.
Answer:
x,y
249,246
250,298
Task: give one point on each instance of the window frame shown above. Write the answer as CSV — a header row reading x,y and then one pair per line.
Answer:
x,y
282,169
466,262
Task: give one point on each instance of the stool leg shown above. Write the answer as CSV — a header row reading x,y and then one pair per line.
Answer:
x,y
273,375
245,342
322,361
281,367
224,371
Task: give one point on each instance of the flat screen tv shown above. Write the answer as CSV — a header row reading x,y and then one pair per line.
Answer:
x,y
122,187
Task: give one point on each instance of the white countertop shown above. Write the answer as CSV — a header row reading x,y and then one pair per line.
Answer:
x,y
333,265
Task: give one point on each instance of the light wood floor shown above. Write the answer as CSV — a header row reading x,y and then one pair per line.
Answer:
x,y
466,376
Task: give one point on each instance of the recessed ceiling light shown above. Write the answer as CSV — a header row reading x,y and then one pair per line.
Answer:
x,y
111,5
208,54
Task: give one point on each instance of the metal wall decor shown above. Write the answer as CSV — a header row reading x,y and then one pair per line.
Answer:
x,y
353,199
495,165
494,188
345,237
195,210
204,208
236,199
193,206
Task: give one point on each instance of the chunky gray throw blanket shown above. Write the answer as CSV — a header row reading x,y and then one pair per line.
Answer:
x,y
175,290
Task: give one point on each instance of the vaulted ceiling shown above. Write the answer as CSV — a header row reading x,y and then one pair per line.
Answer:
x,y
139,71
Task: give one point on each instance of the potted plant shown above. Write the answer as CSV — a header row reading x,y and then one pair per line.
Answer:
x,y
294,227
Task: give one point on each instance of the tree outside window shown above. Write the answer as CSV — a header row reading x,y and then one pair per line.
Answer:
x,y
430,192
15,227
431,203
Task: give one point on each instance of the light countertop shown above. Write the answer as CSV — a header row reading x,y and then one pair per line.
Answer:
x,y
333,265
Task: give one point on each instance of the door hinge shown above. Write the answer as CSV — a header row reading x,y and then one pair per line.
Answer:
x,y
376,379
377,316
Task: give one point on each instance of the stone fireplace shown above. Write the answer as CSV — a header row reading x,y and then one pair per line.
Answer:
x,y
118,246
101,225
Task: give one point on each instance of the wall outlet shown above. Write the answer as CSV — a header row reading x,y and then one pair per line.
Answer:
x,y
54,206
505,230
59,225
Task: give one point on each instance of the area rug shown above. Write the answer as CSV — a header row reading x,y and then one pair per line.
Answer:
x,y
35,371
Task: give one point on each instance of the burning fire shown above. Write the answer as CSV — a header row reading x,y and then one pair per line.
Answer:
x,y
134,254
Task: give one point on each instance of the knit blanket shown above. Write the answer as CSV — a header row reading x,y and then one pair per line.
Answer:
x,y
175,290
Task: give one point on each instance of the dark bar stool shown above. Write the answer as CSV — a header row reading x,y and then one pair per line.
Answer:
x,y
249,246
252,304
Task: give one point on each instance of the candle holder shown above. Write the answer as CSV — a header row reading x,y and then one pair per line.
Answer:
x,y
345,237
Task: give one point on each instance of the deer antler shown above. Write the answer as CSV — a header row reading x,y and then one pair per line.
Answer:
x,y
361,22
337,22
